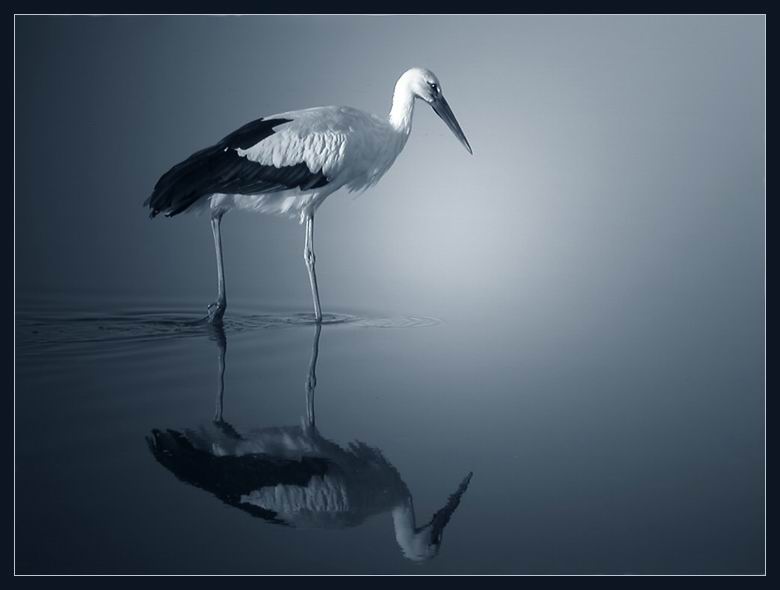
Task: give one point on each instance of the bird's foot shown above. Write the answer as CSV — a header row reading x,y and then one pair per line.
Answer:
x,y
215,312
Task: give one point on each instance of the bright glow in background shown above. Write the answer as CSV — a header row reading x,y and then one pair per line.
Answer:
x,y
598,265
618,167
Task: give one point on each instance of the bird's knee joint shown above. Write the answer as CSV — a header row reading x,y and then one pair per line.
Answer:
x,y
308,257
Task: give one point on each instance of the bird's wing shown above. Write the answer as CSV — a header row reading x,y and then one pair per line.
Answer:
x,y
229,477
283,152
318,137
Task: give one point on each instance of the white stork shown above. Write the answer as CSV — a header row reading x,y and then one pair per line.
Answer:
x,y
289,163
292,475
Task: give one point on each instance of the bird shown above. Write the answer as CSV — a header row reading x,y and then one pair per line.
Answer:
x,y
289,163
294,476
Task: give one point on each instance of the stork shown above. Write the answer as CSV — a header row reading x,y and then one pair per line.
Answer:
x,y
294,476
289,163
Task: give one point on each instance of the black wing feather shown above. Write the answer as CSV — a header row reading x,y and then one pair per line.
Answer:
x,y
219,169
230,477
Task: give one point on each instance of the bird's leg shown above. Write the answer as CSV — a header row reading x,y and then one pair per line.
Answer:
x,y
219,336
218,333
217,310
308,256
311,379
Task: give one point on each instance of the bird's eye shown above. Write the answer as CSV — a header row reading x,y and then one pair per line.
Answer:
x,y
434,87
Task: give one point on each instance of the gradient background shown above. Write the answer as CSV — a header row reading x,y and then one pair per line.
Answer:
x,y
613,156
598,266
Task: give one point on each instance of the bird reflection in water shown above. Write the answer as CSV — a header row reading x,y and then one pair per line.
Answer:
x,y
294,476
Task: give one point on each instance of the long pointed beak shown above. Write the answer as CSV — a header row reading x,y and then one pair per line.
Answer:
x,y
442,108
442,517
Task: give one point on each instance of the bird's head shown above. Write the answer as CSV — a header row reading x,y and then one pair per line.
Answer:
x,y
423,84
423,543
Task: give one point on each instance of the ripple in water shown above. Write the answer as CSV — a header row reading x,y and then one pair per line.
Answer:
x,y
44,330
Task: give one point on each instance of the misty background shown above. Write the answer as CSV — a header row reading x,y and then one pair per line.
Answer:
x,y
596,267
614,156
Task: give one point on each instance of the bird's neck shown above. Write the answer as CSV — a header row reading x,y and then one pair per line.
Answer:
x,y
415,543
402,111
405,523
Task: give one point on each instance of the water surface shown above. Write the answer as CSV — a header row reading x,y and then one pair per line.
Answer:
x,y
150,442
574,315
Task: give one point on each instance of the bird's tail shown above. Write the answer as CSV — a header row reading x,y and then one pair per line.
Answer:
x,y
183,185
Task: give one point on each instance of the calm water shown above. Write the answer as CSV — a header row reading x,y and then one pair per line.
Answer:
x,y
559,367
147,442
